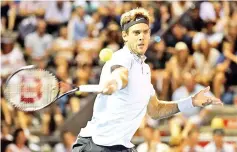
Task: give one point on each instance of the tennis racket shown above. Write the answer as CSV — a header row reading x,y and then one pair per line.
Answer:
x,y
31,88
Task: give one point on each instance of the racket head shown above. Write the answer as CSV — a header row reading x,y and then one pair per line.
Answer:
x,y
30,88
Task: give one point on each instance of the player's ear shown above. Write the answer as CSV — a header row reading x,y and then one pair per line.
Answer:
x,y
125,36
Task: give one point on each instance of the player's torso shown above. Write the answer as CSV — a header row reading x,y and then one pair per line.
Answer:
x,y
133,98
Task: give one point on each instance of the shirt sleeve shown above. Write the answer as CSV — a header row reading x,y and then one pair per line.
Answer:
x,y
28,41
122,59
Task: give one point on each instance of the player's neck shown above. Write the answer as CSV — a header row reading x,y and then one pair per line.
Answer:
x,y
134,52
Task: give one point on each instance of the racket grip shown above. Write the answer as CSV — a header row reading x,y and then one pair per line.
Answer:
x,y
90,88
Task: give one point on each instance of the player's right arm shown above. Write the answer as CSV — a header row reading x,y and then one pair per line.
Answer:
x,y
116,77
117,80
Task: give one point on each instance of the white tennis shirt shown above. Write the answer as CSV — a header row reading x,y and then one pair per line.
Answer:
x,y
116,117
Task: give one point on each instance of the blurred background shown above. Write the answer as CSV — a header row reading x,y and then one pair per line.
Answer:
x,y
194,44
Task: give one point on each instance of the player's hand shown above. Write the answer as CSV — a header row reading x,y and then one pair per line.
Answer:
x,y
110,87
201,100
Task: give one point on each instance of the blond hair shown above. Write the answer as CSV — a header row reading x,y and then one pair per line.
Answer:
x,y
133,14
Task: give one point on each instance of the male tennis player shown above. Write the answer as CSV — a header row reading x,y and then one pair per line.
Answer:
x,y
128,93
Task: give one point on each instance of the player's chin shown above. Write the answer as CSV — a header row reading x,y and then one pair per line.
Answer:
x,y
141,51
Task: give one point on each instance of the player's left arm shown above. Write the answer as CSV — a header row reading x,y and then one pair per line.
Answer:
x,y
158,109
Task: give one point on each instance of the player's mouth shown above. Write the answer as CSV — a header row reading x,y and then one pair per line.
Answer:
x,y
141,45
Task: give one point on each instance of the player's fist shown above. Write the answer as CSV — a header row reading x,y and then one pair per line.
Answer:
x,y
110,87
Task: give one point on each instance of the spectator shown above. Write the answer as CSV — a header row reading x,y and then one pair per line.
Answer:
x,y
180,63
78,24
67,139
158,57
152,142
192,21
114,40
62,46
11,56
224,79
218,144
205,61
29,11
192,142
38,44
19,142
98,25
178,34
165,16
214,38
57,13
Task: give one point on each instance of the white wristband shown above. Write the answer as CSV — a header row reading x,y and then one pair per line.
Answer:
x,y
185,104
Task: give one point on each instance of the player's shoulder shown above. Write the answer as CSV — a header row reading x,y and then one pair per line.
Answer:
x,y
122,51
122,54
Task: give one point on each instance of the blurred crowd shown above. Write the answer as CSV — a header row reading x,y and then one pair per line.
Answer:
x,y
197,47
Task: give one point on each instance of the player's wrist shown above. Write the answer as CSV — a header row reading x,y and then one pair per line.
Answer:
x,y
185,104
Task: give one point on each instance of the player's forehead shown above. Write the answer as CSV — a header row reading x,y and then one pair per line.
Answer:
x,y
139,27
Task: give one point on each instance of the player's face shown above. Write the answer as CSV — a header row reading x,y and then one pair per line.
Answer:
x,y
137,38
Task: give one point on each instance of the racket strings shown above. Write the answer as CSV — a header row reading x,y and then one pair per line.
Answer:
x,y
32,89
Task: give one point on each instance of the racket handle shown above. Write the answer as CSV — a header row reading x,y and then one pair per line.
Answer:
x,y
90,88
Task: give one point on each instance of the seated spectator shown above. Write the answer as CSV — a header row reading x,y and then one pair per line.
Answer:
x,y
62,46
19,142
214,38
158,56
192,21
218,144
28,13
152,142
224,79
78,23
178,34
113,37
227,63
57,13
205,62
38,44
180,63
192,142
67,141
11,55
165,16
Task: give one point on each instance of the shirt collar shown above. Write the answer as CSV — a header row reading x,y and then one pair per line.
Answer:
x,y
139,58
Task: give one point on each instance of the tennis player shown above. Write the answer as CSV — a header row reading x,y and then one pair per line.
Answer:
x,y
128,93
